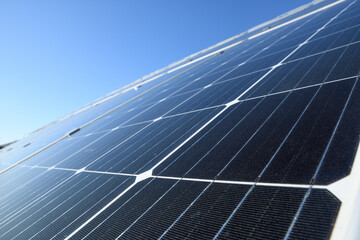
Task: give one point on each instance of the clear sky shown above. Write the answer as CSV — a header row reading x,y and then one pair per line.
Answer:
x,y
56,56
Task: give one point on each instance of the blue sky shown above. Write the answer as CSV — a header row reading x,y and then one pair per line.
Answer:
x,y
56,56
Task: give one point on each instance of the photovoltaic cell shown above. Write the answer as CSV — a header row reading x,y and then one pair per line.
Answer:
x,y
53,203
268,212
319,225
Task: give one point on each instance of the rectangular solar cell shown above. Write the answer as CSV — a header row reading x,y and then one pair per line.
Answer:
x,y
51,203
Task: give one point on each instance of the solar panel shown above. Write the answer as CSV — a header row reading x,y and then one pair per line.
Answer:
x,y
253,138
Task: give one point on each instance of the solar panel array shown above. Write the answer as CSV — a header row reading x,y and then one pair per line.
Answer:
x,y
244,143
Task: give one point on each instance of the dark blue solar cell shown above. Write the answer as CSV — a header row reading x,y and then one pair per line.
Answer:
x,y
321,42
205,80
252,159
146,149
349,13
233,130
120,215
283,78
331,41
266,208
117,118
165,212
94,146
348,65
323,216
206,216
265,62
322,68
229,89
261,210
299,157
337,162
45,204
336,26
161,108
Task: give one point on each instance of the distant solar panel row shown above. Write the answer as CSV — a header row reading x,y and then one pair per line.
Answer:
x,y
240,145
